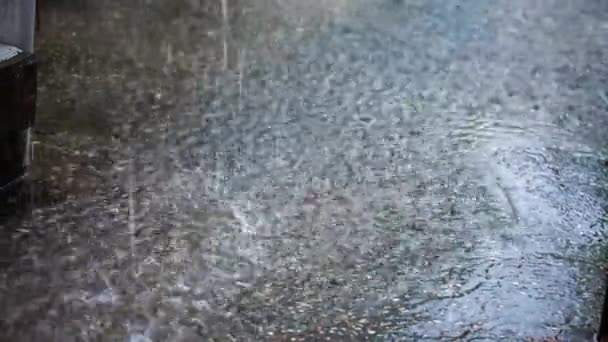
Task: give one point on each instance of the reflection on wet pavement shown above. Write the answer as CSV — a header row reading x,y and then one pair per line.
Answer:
x,y
346,170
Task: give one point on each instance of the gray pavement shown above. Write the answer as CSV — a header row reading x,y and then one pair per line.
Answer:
x,y
387,170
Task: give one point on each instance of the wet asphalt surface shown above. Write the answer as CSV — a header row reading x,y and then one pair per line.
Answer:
x,y
387,170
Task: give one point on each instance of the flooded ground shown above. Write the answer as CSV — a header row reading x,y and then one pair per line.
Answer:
x,y
384,170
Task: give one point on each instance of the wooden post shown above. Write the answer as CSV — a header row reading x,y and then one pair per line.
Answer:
x,y
602,335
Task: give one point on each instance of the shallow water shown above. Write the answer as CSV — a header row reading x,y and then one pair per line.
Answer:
x,y
383,170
